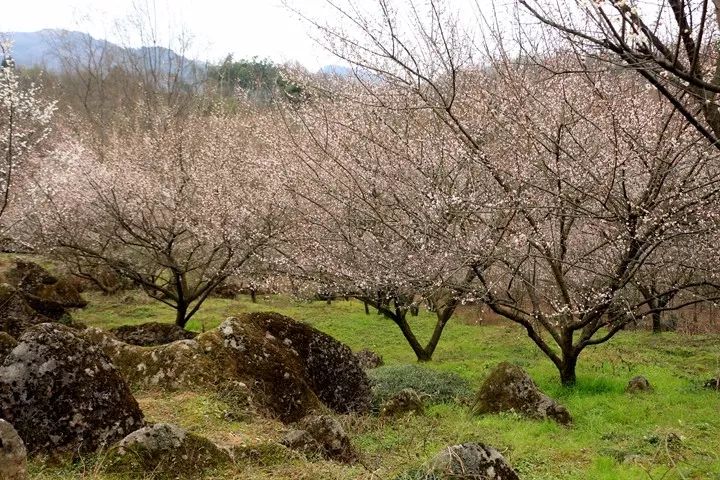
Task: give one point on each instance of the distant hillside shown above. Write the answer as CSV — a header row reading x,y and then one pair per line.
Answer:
x,y
42,48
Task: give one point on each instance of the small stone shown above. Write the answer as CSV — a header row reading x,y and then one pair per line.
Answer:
x,y
321,434
405,401
369,359
471,461
638,384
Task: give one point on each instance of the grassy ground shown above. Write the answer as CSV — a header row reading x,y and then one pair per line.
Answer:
x,y
672,433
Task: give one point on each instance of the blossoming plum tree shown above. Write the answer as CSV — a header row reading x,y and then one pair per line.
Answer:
x,y
176,209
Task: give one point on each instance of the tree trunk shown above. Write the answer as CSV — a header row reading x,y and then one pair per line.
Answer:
x,y
253,295
421,353
181,314
567,370
657,322
367,308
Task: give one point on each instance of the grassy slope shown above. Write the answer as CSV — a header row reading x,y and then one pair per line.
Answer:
x,y
616,435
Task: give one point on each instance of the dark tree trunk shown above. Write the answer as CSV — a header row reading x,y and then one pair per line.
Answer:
x,y
567,370
253,295
657,322
181,317
421,354
367,308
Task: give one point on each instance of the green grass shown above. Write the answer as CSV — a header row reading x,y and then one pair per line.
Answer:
x,y
672,433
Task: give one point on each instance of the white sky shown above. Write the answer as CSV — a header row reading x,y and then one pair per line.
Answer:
x,y
247,28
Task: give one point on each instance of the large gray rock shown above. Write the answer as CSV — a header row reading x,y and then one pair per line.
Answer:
x,y
165,451
62,393
471,461
13,455
510,388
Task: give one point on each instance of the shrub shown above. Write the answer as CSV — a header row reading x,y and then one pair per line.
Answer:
x,y
440,387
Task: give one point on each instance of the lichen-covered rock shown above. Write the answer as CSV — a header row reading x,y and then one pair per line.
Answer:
x,y
510,388
15,314
13,455
62,393
331,368
151,334
7,343
471,461
321,434
638,384
369,359
405,401
165,451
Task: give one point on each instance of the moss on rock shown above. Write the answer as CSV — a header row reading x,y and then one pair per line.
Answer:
x,y
165,451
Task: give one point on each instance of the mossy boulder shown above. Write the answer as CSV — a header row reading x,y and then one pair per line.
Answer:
x,y
332,370
165,451
62,393
235,351
151,334
510,388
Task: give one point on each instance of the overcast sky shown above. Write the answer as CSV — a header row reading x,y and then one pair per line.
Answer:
x,y
247,28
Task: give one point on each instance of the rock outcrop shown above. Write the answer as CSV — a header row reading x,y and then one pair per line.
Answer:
x,y
510,388
62,393
290,368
